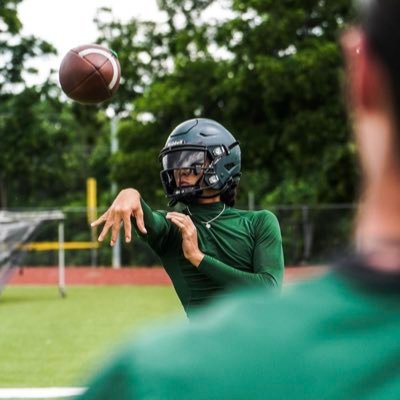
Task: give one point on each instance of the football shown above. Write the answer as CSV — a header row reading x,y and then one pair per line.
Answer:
x,y
90,74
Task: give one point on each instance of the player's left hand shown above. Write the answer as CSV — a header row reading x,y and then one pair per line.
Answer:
x,y
190,246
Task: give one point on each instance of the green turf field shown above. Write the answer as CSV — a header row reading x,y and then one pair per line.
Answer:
x,y
47,341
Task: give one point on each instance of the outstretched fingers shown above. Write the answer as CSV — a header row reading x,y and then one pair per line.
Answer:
x,y
126,205
112,221
99,220
127,227
108,223
116,227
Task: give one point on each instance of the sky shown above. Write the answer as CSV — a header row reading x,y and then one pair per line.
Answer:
x,y
69,23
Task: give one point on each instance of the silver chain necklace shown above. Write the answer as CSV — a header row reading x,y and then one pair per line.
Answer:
x,y
208,223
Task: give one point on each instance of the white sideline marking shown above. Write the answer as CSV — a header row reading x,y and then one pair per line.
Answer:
x,y
40,393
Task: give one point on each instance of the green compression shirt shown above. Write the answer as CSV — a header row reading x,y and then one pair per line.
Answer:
x,y
241,248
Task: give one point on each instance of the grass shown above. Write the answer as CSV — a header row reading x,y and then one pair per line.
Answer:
x,y
47,341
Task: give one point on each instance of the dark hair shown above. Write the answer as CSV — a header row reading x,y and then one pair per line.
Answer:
x,y
380,21
229,195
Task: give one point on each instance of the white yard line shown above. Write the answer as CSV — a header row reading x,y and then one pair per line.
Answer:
x,y
40,393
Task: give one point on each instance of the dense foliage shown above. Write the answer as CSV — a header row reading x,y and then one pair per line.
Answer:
x,y
269,71
47,145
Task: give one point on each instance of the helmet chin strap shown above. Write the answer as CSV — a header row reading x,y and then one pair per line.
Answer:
x,y
186,192
189,194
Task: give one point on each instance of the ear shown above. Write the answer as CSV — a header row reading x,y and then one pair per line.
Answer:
x,y
365,80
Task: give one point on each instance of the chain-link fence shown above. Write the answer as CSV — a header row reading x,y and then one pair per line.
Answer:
x,y
315,234
311,235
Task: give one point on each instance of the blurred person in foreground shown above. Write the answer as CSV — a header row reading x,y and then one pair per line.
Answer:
x,y
210,247
337,337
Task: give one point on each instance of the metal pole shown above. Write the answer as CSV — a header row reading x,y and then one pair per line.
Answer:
x,y
116,250
250,199
307,232
61,260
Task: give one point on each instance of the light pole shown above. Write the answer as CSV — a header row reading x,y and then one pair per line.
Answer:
x,y
116,250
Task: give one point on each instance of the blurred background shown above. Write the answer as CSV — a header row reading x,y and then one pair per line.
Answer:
x,y
269,71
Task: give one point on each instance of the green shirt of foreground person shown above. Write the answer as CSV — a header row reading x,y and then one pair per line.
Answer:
x,y
210,247
335,338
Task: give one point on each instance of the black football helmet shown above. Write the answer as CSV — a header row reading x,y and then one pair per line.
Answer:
x,y
209,150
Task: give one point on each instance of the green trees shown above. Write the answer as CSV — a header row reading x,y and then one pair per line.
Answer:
x,y
269,71
46,144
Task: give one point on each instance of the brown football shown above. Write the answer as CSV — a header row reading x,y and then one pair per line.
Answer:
x,y
90,74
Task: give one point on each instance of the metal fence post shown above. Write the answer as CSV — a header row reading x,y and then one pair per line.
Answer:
x,y
61,259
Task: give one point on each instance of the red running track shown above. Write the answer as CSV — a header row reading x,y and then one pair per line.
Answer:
x,y
124,276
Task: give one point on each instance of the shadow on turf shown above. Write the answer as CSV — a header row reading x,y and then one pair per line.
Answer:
x,y
7,298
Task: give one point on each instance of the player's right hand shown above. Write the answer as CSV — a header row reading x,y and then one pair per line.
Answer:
x,y
125,205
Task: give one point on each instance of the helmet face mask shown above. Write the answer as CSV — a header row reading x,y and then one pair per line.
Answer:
x,y
182,161
205,149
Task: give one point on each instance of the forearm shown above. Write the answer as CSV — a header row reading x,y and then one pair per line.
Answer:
x,y
150,220
227,275
156,224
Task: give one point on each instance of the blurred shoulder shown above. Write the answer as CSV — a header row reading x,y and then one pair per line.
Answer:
x,y
162,361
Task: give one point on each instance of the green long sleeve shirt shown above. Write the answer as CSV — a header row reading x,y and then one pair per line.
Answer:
x,y
240,247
